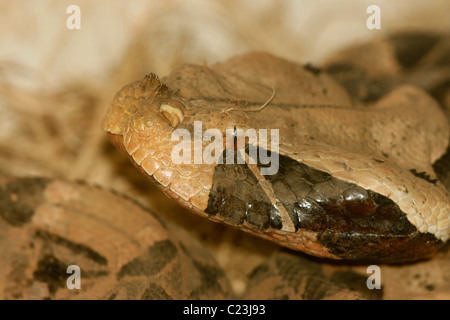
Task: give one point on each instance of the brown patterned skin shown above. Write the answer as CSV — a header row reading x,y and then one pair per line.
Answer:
x,y
123,250
285,276
288,275
376,142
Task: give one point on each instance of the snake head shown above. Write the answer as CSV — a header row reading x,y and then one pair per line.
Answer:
x,y
144,108
140,123
344,188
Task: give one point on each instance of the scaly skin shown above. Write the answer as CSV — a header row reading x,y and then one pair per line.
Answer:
x,y
387,147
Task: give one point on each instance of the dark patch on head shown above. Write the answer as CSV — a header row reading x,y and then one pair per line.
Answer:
x,y
423,175
236,196
411,47
209,280
387,248
74,247
356,282
51,271
313,69
341,213
149,264
19,198
321,202
155,292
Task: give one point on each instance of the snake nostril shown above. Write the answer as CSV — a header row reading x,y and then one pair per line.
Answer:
x,y
173,114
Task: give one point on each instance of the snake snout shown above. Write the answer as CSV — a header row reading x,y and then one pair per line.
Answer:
x,y
171,113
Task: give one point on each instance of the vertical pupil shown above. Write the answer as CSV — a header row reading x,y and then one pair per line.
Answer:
x,y
235,139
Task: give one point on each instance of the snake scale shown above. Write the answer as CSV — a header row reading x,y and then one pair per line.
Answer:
x,y
355,178
363,175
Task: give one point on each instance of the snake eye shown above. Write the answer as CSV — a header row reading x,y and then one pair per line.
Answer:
x,y
173,114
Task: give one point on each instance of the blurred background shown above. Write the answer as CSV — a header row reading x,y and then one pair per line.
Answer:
x,y
56,83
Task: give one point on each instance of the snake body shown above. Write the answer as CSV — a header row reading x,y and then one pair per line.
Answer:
x,y
363,175
122,250
356,178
